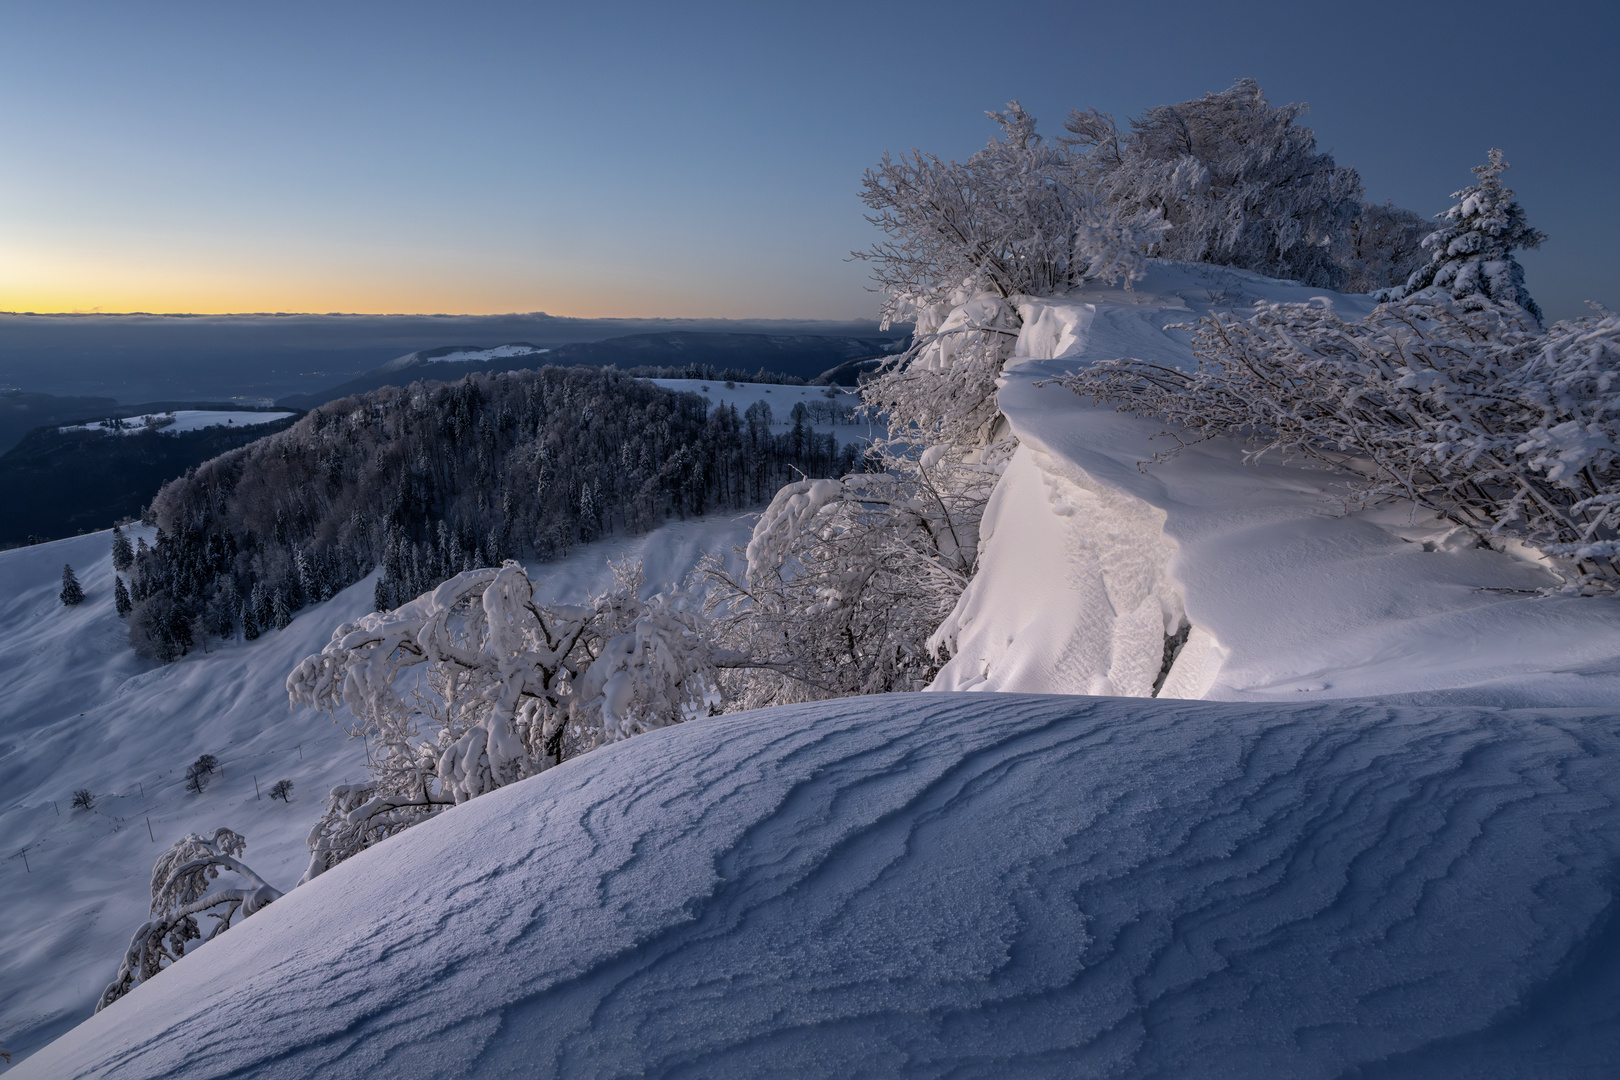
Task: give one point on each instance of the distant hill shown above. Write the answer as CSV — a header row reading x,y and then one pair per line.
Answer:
x,y
21,413
806,356
57,483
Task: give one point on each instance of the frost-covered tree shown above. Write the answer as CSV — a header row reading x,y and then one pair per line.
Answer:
x,y
1240,182
123,555
846,580
1471,254
184,887
1013,219
478,684
121,601
71,593
1471,411
1385,248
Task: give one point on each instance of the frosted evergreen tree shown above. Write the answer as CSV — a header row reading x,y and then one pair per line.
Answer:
x,y
123,556
71,592
250,623
281,610
1471,254
121,599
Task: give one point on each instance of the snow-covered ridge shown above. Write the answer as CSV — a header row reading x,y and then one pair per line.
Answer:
x,y
950,885
179,420
462,355
1089,547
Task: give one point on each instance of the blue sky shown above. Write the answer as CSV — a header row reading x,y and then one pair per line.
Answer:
x,y
694,159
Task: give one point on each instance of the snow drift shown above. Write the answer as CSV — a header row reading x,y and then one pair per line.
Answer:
x,y
965,885
1093,551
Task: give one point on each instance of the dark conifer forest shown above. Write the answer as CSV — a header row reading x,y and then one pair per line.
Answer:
x,y
435,478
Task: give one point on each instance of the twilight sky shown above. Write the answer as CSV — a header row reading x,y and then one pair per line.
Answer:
x,y
677,159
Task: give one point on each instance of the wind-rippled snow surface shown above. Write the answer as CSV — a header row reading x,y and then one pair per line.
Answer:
x,y
953,885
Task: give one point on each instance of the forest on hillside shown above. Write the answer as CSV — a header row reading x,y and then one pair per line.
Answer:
x,y
432,479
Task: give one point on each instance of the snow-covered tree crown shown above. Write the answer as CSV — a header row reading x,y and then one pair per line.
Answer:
x,y
1240,182
1471,254
1015,218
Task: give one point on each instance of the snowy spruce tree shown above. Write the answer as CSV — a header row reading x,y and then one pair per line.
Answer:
x,y
121,601
72,593
123,555
1471,254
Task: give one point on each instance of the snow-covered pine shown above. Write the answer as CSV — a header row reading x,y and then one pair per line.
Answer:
x,y
501,687
183,888
1468,410
121,601
1240,183
1471,254
72,593
123,555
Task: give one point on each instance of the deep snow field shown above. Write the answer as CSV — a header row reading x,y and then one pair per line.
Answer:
x,y
1378,836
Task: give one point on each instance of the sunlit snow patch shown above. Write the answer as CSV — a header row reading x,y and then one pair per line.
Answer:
x,y
181,420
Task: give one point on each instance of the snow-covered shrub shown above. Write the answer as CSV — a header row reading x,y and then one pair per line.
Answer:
x,y
1468,410
183,888
847,579
1471,254
84,799
1385,248
503,687
1239,182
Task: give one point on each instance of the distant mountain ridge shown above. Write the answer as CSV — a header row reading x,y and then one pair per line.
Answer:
x,y
805,356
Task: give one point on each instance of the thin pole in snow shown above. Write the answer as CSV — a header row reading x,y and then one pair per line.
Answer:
x,y
256,787
300,751
149,829
58,809
143,789
26,867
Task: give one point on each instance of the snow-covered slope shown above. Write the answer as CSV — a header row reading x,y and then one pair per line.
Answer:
x,y
79,710
174,422
952,885
1090,555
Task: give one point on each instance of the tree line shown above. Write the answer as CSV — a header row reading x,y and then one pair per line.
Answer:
x,y
432,479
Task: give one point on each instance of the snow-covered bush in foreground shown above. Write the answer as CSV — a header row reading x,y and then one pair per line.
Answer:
x,y
183,887
1466,410
505,688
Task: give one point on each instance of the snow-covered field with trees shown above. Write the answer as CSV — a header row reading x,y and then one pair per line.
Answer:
x,y
1258,550
81,711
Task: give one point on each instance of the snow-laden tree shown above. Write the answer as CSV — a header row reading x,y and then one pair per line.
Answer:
x,y
1471,254
72,593
123,555
1013,219
121,601
846,579
1240,182
1470,411
184,887
1385,248
478,684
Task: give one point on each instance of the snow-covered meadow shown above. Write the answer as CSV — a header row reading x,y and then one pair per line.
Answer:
x,y
79,710
177,421
820,401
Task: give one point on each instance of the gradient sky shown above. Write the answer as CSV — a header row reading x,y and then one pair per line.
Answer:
x,y
669,159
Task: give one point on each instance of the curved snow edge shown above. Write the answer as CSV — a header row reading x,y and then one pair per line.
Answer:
x,y
1075,592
